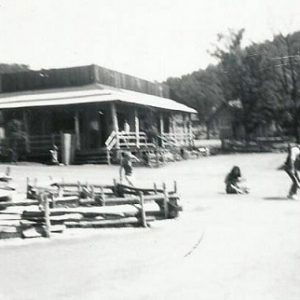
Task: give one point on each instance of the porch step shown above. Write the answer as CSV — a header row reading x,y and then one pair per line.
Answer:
x,y
91,157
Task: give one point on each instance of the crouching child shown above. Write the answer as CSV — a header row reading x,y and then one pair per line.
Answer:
x,y
233,180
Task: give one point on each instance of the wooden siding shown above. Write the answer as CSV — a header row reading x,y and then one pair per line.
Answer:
x,y
124,81
45,79
79,76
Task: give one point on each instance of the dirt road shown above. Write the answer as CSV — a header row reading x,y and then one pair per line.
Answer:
x,y
222,247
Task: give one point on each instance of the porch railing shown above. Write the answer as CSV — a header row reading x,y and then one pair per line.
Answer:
x,y
42,143
31,144
127,140
133,139
177,139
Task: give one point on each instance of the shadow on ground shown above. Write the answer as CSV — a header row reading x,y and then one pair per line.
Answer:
x,y
276,198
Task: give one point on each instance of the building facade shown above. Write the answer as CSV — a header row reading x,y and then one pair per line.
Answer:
x,y
100,109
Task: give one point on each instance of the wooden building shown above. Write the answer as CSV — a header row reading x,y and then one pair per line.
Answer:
x,y
98,110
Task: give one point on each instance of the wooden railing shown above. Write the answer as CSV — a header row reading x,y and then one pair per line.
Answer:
x,y
111,141
132,139
177,139
167,141
127,140
43,143
34,144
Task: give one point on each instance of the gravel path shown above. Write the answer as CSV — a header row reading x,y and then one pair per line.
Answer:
x,y
222,247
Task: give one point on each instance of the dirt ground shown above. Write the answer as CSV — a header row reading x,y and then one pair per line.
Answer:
x,y
221,247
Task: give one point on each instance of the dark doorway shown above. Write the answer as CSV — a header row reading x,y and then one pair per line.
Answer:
x,y
62,121
94,130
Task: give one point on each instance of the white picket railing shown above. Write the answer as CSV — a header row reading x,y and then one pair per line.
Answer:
x,y
132,139
126,140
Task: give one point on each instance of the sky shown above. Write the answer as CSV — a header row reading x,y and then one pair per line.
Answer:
x,y
151,39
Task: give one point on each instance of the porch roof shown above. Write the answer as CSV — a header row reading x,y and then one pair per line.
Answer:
x,y
95,93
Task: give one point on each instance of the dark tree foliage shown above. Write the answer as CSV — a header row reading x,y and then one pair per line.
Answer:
x,y
286,55
265,77
12,68
201,90
247,77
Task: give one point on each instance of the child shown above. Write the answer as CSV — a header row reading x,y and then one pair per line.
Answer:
x,y
232,182
126,166
54,155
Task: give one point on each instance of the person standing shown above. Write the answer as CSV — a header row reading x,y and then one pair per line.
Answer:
x,y
290,168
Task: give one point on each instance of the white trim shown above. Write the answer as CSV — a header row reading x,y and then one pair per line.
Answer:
x,y
86,94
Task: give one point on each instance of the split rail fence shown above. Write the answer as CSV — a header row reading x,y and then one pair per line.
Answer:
x,y
54,208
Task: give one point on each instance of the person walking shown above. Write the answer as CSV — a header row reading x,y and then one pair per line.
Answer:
x,y
290,167
126,167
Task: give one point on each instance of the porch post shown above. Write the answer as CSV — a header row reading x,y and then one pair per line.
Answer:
x,y
190,129
161,122
172,123
77,129
137,127
184,128
25,121
173,136
115,121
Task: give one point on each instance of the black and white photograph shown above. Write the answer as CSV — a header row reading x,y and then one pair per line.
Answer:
x,y
149,149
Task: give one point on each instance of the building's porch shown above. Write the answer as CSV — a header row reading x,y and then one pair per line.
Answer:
x,y
94,119
96,131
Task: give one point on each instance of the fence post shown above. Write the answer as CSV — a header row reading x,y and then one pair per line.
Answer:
x,y
27,187
115,187
166,208
79,188
175,186
60,191
143,214
53,200
92,192
45,201
87,190
155,188
102,196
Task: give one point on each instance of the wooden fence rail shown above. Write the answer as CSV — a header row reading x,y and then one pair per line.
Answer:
x,y
53,208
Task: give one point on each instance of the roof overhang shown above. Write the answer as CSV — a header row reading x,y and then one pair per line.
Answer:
x,y
86,94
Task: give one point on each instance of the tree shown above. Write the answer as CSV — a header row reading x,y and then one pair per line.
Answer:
x,y
246,76
264,77
12,68
286,57
201,90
